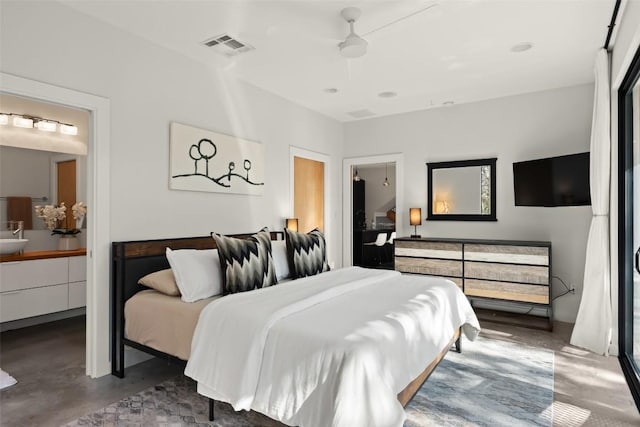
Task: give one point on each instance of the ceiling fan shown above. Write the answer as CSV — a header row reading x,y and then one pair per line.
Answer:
x,y
354,45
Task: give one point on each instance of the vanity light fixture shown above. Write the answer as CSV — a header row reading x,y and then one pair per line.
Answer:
x,y
43,124
22,122
68,129
46,125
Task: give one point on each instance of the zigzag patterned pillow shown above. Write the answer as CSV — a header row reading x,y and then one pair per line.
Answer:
x,y
307,253
247,263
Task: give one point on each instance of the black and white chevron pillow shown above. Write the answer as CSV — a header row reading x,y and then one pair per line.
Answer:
x,y
307,253
247,263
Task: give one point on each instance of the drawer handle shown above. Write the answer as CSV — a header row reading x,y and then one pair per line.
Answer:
x,y
11,293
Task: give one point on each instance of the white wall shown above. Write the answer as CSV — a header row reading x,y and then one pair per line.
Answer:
x,y
24,173
512,129
148,87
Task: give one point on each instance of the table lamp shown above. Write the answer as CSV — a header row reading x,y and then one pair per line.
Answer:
x,y
292,224
415,219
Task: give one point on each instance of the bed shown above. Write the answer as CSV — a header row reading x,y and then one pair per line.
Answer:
x,y
267,383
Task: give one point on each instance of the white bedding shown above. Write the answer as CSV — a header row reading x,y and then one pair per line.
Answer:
x,y
329,350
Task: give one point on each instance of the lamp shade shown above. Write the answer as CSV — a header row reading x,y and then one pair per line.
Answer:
x,y
415,216
292,224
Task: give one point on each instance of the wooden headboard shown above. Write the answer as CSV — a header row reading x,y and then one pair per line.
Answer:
x,y
132,260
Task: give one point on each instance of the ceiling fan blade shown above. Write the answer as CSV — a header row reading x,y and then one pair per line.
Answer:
x,y
403,18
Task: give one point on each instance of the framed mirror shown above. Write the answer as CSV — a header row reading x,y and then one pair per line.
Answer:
x,y
462,190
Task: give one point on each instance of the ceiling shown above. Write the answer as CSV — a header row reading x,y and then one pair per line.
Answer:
x,y
438,52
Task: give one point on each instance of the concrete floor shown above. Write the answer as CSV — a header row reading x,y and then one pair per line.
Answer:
x,y
48,362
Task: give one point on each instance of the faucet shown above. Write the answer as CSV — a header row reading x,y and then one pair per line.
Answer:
x,y
19,229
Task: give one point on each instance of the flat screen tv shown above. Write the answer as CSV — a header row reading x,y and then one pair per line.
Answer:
x,y
554,181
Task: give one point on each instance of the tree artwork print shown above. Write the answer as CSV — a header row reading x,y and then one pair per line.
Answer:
x,y
203,160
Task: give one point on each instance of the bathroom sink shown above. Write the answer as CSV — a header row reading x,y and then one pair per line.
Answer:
x,y
10,246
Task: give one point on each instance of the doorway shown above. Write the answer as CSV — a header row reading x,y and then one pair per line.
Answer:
x,y
98,237
373,209
308,194
629,226
362,226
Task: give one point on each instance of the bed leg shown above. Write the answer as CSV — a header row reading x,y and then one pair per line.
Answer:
x,y
211,401
459,343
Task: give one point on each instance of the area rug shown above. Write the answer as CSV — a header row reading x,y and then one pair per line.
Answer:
x,y
492,383
6,380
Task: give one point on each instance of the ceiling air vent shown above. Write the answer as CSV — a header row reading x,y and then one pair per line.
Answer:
x,y
227,45
359,114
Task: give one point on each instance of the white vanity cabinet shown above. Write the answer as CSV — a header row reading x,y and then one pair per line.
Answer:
x,y
77,281
41,286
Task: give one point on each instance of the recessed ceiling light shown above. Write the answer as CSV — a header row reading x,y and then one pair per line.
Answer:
x,y
521,47
331,90
387,94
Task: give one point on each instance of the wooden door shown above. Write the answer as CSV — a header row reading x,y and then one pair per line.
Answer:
x,y
66,172
308,199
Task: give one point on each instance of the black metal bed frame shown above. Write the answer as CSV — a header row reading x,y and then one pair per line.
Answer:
x,y
131,260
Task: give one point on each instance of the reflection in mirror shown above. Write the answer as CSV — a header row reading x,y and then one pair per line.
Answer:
x,y
462,190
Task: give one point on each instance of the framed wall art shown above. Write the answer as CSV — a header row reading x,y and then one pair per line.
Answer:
x,y
203,160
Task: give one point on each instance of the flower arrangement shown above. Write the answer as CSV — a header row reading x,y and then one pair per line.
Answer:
x,y
51,215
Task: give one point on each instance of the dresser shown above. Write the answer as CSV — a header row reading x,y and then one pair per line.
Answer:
x,y
509,271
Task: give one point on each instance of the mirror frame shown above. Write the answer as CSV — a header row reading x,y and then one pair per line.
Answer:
x,y
462,217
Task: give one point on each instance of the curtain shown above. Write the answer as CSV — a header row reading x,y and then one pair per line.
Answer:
x,y
592,330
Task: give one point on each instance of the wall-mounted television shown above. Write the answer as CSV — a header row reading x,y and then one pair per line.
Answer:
x,y
554,181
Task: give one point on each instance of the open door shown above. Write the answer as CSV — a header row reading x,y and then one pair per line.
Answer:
x,y
308,199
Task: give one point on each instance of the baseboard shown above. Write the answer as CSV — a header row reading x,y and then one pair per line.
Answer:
x,y
45,318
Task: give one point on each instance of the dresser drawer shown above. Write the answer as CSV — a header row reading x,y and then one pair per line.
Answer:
x,y
35,273
507,254
421,249
536,275
507,291
434,267
33,302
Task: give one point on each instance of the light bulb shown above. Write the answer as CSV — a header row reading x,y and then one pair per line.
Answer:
x,y
68,130
46,126
22,122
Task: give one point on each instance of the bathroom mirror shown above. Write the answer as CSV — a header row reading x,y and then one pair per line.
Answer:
x,y
462,190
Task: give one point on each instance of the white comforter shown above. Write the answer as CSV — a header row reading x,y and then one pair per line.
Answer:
x,y
329,350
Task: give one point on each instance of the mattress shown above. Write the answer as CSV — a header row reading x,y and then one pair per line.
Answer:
x,y
163,322
333,349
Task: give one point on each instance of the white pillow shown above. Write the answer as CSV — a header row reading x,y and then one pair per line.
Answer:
x,y
279,252
197,272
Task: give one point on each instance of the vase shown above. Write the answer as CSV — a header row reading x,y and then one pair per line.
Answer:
x,y
68,243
